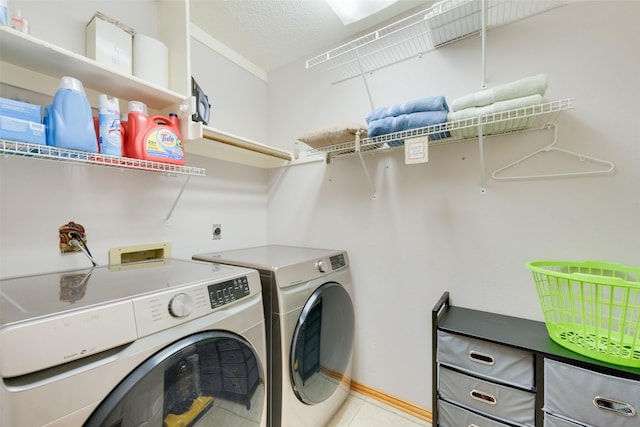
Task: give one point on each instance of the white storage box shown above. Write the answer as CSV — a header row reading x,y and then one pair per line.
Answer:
x,y
110,43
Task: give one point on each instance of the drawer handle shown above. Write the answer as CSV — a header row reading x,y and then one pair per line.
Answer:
x,y
483,397
620,408
485,359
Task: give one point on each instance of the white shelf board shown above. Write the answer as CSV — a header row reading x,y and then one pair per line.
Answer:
x,y
232,148
30,53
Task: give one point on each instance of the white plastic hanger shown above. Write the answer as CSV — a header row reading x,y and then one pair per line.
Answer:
x,y
551,147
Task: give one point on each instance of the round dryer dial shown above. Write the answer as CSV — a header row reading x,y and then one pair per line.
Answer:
x,y
321,267
180,305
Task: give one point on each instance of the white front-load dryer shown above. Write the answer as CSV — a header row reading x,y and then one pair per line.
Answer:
x,y
171,343
310,329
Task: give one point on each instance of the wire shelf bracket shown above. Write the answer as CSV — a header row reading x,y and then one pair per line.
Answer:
x,y
46,152
372,185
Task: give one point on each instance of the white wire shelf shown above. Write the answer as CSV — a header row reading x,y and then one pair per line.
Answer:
x,y
422,32
494,124
45,152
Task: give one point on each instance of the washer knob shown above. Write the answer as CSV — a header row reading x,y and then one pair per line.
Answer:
x,y
321,266
180,305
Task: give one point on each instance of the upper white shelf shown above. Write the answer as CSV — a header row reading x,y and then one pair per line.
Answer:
x,y
500,123
28,52
411,37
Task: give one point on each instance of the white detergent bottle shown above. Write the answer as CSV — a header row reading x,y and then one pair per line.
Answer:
x,y
109,126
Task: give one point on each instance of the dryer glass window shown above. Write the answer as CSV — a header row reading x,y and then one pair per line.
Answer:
x,y
322,344
207,379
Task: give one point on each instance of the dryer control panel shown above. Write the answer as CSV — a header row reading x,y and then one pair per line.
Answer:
x,y
335,262
227,292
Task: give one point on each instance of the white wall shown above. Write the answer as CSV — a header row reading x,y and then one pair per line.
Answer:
x,y
430,230
125,207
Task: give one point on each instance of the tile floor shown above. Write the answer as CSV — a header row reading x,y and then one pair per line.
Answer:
x,y
362,411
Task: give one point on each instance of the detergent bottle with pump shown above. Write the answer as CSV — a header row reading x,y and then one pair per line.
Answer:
x,y
155,138
69,120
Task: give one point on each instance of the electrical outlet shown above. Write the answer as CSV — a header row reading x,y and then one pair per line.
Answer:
x,y
217,232
67,233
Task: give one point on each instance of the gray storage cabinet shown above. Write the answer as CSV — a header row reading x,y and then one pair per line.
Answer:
x,y
491,370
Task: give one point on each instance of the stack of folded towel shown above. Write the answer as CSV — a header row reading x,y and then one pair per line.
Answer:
x,y
413,114
333,135
519,94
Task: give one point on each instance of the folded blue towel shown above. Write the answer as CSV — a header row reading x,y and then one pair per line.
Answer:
x,y
406,122
432,103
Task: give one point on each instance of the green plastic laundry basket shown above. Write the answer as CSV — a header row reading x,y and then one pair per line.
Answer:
x,y
592,308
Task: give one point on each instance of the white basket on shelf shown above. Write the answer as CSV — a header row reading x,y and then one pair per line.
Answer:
x,y
453,19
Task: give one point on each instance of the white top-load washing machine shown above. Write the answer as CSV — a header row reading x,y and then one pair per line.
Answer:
x,y
310,329
169,343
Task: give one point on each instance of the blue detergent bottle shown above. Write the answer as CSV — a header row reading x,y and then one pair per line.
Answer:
x,y
69,119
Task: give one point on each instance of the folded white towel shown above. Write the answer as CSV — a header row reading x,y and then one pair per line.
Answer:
x,y
520,88
497,127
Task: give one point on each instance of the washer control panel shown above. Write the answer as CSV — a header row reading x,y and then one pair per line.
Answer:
x,y
227,292
167,309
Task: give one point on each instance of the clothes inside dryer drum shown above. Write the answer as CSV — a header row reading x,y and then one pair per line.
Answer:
x,y
209,378
322,343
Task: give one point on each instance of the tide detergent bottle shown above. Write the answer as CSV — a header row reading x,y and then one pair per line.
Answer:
x,y
69,120
155,138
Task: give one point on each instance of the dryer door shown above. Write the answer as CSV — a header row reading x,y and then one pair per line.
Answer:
x,y
322,344
210,378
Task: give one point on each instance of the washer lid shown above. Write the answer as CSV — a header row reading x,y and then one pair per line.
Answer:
x,y
30,297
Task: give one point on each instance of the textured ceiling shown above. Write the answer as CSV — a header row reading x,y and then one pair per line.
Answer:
x,y
273,33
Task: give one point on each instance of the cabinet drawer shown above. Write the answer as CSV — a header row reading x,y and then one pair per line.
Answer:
x,y
553,421
450,415
503,402
493,361
590,397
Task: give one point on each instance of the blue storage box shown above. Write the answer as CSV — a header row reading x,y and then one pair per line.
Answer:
x,y
21,121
